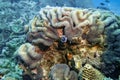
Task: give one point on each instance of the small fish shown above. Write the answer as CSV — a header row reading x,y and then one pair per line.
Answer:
x,y
102,4
104,8
107,1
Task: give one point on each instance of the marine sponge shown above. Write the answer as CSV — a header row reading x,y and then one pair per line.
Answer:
x,y
90,73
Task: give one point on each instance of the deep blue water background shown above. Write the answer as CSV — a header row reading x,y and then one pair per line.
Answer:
x,y
113,5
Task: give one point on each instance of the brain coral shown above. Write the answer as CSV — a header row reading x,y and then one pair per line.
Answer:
x,y
52,22
90,26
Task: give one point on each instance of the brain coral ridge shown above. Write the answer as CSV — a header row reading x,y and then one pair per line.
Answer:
x,y
30,54
74,22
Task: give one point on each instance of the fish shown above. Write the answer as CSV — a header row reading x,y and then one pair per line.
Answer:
x,y
102,4
107,1
104,8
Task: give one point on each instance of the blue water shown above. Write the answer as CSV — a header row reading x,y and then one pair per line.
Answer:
x,y
113,5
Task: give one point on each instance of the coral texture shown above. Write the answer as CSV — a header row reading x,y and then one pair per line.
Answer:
x,y
88,24
29,54
78,62
13,17
72,36
90,73
10,70
62,72
12,35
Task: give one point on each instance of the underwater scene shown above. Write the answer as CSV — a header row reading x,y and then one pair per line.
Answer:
x,y
59,39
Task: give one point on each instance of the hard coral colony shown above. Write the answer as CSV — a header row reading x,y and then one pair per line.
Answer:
x,y
67,38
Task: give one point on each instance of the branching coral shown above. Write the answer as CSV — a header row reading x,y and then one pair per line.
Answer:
x,y
9,70
11,46
13,16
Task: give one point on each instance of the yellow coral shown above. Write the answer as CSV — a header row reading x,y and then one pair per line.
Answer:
x,y
78,62
90,73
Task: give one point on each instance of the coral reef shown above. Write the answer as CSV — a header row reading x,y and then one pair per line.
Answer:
x,y
84,26
72,36
11,46
69,3
74,23
63,41
13,17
